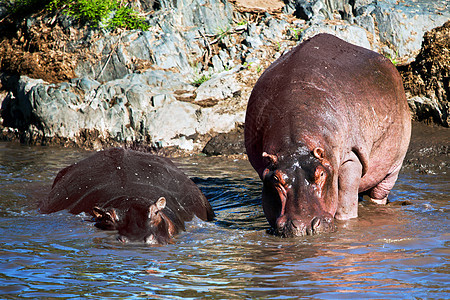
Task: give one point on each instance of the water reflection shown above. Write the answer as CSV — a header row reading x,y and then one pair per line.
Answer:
x,y
386,252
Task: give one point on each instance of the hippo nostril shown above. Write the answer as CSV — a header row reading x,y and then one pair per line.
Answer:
x,y
122,239
315,224
298,228
281,222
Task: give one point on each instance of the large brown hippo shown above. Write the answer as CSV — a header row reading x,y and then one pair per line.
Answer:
x,y
143,196
325,122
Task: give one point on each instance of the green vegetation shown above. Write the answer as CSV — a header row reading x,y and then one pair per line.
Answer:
x,y
127,18
91,11
296,33
242,22
222,32
109,14
393,60
197,82
278,46
247,65
258,69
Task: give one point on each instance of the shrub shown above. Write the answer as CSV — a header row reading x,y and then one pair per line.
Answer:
x,y
126,17
110,12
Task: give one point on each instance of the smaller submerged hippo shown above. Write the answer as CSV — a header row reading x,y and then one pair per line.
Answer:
x,y
143,196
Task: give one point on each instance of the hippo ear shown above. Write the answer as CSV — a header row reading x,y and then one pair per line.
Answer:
x,y
319,153
156,207
99,212
272,157
161,203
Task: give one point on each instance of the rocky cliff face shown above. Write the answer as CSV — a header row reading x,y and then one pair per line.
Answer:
x,y
187,79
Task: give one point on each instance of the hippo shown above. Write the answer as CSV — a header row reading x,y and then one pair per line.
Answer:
x,y
145,197
326,123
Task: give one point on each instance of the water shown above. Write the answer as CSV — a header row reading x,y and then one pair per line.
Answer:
x,y
387,252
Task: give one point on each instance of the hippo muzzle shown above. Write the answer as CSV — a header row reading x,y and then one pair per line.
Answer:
x,y
291,227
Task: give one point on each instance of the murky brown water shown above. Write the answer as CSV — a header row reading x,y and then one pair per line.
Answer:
x,y
388,252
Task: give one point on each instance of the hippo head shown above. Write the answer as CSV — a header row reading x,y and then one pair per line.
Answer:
x,y
136,221
297,193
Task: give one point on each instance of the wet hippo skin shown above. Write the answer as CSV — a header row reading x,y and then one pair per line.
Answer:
x,y
325,122
143,196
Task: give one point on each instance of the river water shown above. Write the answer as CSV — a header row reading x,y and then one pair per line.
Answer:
x,y
390,251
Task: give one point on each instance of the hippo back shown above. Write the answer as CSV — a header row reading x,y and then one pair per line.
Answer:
x,y
116,173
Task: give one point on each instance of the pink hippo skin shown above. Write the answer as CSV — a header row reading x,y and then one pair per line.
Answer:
x,y
325,122
146,198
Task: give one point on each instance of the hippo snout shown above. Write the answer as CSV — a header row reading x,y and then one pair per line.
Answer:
x,y
287,227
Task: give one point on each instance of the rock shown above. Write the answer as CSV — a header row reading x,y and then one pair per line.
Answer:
x,y
352,34
426,109
226,143
270,6
171,43
209,15
426,78
402,24
139,107
219,87
312,10
3,9
398,24
429,149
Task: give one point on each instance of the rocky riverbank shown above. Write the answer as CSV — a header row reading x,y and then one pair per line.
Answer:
x,y
183,84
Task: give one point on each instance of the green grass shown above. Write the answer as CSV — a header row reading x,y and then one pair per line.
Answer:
x,y
110,14
197,82
296,33
393,60
127,18
223,32
242,22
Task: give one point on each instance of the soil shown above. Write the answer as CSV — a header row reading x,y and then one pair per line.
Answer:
x,y
40,47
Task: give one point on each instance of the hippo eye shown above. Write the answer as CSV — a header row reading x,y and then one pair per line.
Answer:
x,y
280,177
319,175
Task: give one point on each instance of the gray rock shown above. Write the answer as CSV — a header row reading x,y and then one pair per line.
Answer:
x,y
226,143
402,24
254,42
217,63
312,10
349,33
398,24
425,108
220,87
